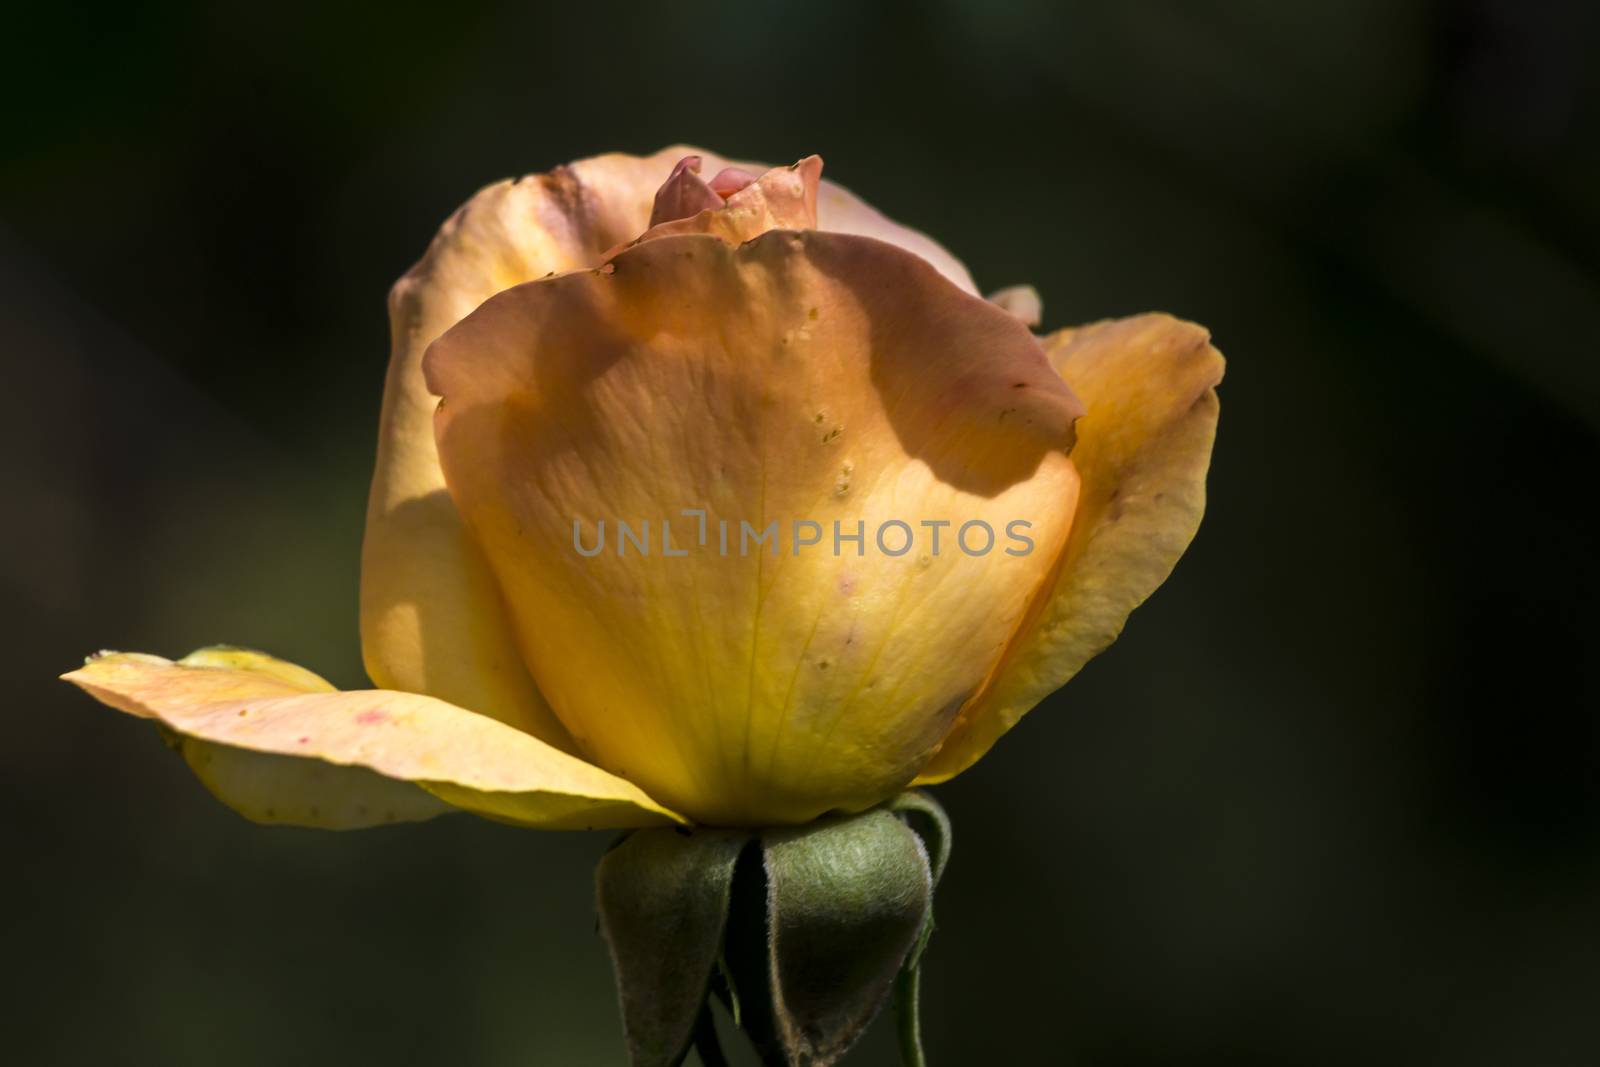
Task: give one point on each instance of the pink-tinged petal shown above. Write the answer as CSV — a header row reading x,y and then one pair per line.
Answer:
x,y
831,207
1022,303
683,194
279,752
783,198
273,789
799,376
431,617
1149,384
841,211
730,180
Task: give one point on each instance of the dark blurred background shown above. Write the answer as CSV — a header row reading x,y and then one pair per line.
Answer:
x,y
1332,798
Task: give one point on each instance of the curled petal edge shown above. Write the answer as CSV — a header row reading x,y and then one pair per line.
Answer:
x,y
233,701
1144,447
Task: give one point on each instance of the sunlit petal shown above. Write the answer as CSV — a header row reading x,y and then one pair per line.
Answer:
x,y
1143,450
431,617
282,752
809,376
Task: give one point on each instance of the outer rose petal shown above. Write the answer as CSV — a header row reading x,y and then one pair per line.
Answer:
x,y
841,211
283,789
1143,449
361,755
431,617
799,376
1022,302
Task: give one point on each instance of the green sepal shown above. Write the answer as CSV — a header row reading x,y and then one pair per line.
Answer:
x,y
937,837
919,808
663,898
846,900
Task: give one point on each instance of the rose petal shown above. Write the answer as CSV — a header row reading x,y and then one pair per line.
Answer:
x,y
730,180
1143,449
360,754
431,617
801,376
1021,302
784,198
297,792
841,211
683,194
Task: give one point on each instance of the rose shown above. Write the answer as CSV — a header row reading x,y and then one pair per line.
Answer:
x,y
770,348
626,341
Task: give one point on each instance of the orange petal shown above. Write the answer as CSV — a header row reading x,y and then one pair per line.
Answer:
x,y
1143,450
280,752
841,211
431,617
432,620
801,376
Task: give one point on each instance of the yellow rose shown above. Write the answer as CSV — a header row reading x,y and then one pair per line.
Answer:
x,y
724,500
